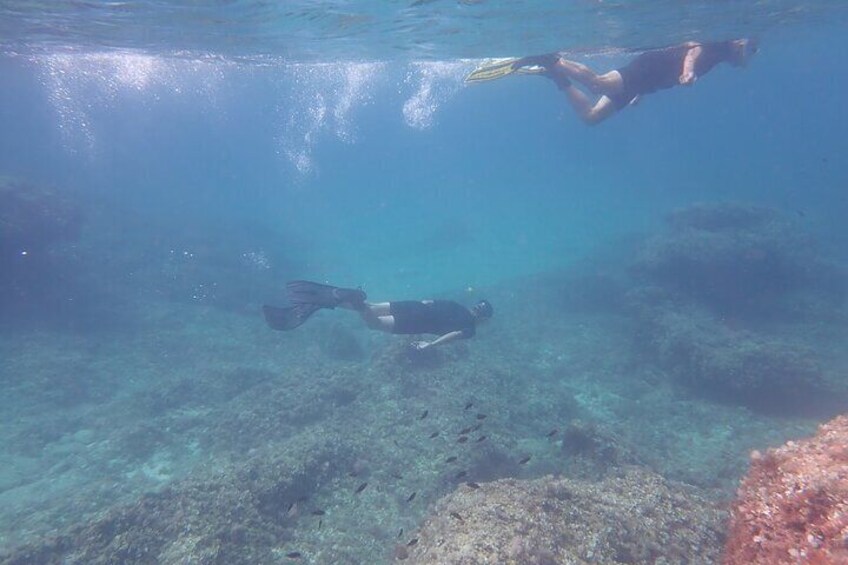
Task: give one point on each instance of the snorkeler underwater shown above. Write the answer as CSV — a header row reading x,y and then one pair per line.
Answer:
x,y
330,282
446,319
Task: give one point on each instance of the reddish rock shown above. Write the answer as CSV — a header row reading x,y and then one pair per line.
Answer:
x,y
793,505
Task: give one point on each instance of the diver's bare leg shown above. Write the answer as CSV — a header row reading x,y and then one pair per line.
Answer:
x,y
607,83
589,112
377,315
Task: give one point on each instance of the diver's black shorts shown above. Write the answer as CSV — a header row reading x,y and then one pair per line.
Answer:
x,y
432,317
649,72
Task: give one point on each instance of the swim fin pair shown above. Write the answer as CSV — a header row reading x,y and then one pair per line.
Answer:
x,y
307,298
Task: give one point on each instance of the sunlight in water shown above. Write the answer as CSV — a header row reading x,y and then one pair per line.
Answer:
x,y
313,99
78,85
324,99
434,83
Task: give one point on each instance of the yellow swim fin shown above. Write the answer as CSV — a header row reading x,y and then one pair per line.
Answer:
x,y
492,69
499,68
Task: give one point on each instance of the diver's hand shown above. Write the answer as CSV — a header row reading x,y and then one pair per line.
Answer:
x,y
688,78
420,345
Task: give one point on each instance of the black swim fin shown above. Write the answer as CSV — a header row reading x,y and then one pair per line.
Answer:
x,y
288,318
322,295
545,62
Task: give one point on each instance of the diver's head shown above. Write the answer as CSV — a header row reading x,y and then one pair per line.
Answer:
x,y
482,310
743,50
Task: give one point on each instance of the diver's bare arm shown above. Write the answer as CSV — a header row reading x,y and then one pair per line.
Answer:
x,y
450,336
687,75
446,338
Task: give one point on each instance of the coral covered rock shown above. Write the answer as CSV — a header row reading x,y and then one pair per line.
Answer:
x,y
635,517
793,505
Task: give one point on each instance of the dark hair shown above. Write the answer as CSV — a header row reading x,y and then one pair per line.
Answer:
x,y
483,309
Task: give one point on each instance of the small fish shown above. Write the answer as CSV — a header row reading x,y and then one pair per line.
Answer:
x,y
481,416
318,512
477,427
434,434
481,438
472,485
552,433
462,439
450,459
396,476
469,405
423,414
320,523
412,542
361,487
400,533
457,516
464,431
525,460
461,474
411,497
293,555
291,505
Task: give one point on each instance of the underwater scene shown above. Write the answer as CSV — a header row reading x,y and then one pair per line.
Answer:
x,y
423,281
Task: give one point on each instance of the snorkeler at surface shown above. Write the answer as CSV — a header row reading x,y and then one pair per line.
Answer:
x,y
447,319
649,72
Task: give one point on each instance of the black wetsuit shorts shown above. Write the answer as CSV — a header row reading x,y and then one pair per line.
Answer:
x,y
431,317
659,69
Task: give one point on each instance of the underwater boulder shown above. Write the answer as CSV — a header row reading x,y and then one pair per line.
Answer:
x,y
735,303
635,517
731,257
708,355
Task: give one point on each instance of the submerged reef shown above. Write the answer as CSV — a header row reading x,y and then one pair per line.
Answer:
x,y
792,507
241,514
634,517
195,434
726,301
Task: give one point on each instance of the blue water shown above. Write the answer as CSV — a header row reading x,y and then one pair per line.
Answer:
x,y
214,152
